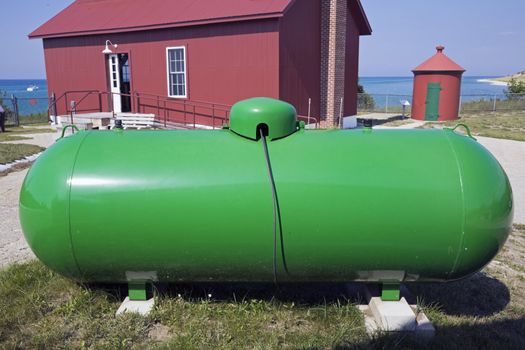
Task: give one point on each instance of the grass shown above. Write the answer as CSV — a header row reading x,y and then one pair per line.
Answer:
x,y
20,130
40,309
9,137
490,309
39,118
399,122
501,125
516,104
17,133
29,119
11,152
259,322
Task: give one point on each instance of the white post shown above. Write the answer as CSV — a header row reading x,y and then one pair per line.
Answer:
x,y
73,112
309,109
341,114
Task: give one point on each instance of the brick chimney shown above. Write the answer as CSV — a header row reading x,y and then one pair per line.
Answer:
x,y
333,50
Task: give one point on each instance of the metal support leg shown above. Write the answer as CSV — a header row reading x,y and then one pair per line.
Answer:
x,y
390,292
137,290
137,301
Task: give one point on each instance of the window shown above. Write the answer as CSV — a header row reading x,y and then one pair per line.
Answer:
x,y
176,59
124,63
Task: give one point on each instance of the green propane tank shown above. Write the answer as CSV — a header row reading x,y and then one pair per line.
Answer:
x,y
266,201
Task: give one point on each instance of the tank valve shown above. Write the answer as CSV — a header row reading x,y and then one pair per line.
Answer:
x,y
118,124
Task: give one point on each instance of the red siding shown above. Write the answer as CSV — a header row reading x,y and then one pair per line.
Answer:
x,y
300,58
226,62
352,65
300,66
448,99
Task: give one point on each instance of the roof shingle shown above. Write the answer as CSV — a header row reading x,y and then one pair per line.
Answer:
x,y
89,17
85,17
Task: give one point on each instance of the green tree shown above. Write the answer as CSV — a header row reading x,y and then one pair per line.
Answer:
x,y
2,103
365,101
5,106
515,87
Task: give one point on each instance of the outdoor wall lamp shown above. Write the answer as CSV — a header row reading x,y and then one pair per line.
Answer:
x,y
107,50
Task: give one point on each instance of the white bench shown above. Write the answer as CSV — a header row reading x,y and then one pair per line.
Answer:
x,y
135,121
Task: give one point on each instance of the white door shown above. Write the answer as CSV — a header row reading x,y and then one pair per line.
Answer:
x,y
114,80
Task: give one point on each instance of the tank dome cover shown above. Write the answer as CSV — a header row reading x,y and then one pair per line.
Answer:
x,y
248,115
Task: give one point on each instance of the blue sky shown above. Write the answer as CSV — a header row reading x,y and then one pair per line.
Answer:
x,y
484,36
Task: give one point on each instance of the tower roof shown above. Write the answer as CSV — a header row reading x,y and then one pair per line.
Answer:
x,y
439,63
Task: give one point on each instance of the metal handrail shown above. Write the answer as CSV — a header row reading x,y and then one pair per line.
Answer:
x,y
185,101
165,107
217,111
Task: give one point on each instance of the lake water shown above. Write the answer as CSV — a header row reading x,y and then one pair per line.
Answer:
x,y
470,86
28,102
471,89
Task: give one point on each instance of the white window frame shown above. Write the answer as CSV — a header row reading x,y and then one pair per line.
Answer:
x,y
185,71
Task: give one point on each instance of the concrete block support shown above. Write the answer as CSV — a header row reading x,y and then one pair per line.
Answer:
x,y
143,307
394,316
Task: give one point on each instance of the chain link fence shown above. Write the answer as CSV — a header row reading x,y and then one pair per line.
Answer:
x,y
23,111
394,103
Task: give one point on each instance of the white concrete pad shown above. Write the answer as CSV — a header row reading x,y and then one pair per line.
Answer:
x,y
393,315
142,307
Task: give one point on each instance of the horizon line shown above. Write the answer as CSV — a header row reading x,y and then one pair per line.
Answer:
x,y
361,76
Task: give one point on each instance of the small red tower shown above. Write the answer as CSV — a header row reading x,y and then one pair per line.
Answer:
x,y
437,88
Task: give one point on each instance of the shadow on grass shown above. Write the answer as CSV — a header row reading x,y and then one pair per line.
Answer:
x,y
495,334
471,303
304,294
479,295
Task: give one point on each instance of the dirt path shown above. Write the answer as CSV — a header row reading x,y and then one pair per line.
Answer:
x,y
42,140
13,247
511,155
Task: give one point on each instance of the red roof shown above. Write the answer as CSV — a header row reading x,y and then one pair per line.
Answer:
x,y
439,63
88,17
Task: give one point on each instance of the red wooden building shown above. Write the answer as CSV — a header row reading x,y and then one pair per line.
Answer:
x,y
167,56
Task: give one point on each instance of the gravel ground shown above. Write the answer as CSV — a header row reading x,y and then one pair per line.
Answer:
x,y
13,247
511,155
42,140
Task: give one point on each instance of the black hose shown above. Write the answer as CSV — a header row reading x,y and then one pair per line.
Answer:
x,y
276,214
